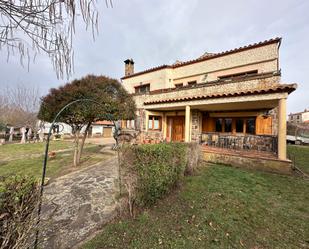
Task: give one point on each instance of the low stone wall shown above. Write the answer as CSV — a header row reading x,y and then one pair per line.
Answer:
x,y
151,137
263,164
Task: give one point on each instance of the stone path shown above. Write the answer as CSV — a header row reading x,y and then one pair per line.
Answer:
x,y
78,204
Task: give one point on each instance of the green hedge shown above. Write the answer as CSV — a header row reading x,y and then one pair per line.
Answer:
x,y
156,168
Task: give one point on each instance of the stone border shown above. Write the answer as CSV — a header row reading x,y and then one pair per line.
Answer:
x,y
256,163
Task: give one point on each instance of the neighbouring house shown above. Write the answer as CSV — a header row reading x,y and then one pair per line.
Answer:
x,y
97,129
299,117
232,100
102,129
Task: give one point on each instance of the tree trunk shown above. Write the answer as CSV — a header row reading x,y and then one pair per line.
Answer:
x,y
76,148
80,151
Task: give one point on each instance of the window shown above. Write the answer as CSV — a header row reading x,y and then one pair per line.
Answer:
x,y
227,125
239,125
142,89
130,124
219,124
250,125
192,83
236,75
154,122
179,85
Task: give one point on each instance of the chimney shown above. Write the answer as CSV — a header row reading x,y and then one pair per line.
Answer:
x,y
129,67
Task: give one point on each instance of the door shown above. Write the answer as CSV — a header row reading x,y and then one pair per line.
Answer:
x,y
178,128
107,132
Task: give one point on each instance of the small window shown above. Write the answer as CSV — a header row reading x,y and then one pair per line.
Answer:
x,y
142,89
239,125
250,125
192,83
179,85
219,122
154,122
228,125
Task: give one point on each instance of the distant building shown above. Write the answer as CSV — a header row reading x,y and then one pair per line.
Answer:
x,y
299,117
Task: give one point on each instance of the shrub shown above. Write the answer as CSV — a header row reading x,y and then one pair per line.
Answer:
x,y
150,171
18,202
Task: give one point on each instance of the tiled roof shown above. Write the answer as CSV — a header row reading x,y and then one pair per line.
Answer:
x,y
273,89
103,122
207,57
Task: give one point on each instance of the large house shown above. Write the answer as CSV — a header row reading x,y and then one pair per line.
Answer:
x,y
232,99
299,117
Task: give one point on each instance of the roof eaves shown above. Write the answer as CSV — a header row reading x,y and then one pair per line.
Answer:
x,y
280,88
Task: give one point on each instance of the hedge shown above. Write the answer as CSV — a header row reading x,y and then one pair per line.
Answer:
x,y
150,171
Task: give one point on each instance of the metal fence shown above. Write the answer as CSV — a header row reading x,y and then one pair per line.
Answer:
x,y
240,141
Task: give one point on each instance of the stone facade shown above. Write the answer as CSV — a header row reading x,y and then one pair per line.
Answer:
x,y
239,84
210,88
196,126
249,162
263,58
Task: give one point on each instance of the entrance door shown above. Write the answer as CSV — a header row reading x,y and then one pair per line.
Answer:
x,y
177,128
107,132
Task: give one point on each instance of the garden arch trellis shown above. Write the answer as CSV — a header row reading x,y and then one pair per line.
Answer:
x,y
46,156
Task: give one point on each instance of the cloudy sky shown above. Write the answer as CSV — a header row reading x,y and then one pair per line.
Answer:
x,y
156,32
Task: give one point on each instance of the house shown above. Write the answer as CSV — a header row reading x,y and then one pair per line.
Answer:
x,y
230,100
299,117
102,129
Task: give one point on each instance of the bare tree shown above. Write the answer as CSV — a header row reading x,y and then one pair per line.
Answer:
x,y
31,26
19,106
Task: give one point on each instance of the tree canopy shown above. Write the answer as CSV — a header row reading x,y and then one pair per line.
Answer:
x,y
115,102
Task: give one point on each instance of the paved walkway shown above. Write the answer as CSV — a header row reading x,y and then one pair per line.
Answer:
x,y
78,204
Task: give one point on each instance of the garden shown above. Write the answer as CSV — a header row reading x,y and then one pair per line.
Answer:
x,y
217,207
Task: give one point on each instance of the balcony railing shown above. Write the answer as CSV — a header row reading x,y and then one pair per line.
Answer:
x,y
240,141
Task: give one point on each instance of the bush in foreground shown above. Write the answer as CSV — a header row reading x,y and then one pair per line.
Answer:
x,y
148,172
18,202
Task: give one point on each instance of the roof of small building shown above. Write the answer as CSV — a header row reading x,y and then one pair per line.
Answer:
x,y
207,56
272,89
103,122
297,113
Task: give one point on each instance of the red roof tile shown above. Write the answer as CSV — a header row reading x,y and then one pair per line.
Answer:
x,y
103,122
278,88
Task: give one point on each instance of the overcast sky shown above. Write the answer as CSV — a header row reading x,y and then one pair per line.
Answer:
x,y
156,32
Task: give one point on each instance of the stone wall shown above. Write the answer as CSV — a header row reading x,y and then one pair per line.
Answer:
x,y
275,121
263,59
263,164
203,89
196,126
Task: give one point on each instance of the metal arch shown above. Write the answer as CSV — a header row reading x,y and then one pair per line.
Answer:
x,y
46,157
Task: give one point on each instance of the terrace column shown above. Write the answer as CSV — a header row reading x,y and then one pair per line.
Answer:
x,y
187,124
282,129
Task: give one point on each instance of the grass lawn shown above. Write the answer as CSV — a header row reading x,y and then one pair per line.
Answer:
x,y
20,150
27,159
301,154
220,207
